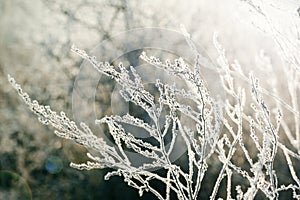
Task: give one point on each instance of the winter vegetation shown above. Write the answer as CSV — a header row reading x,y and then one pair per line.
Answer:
x,y
241,145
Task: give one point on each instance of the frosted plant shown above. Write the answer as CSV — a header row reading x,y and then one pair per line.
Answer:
x,y
246,159
206,144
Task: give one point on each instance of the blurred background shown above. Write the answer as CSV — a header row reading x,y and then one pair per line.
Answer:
x,y
35,41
